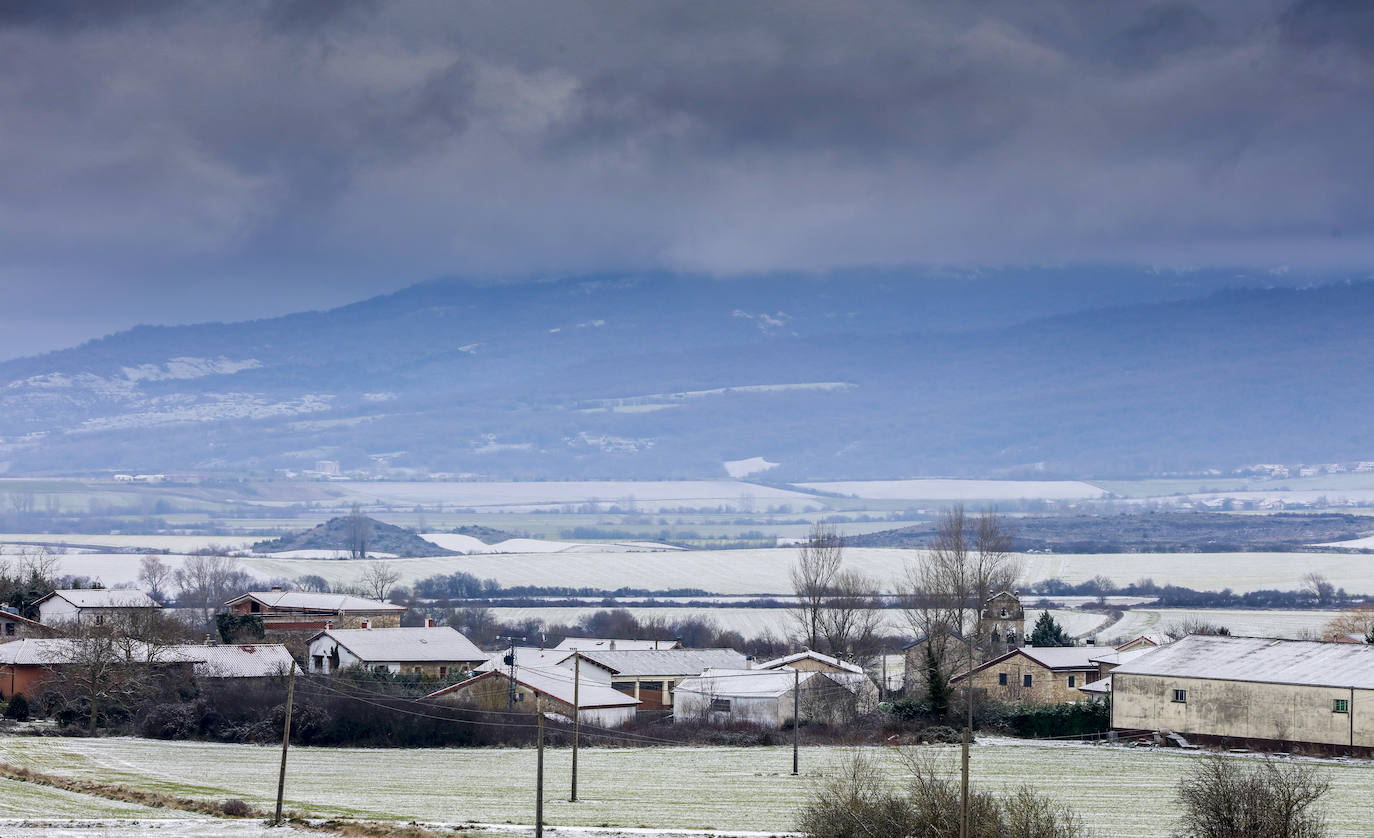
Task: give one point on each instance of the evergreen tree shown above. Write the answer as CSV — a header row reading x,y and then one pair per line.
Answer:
x,y
1047,632
937,685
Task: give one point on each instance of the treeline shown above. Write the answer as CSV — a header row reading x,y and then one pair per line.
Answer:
x,y
460,585
1316,593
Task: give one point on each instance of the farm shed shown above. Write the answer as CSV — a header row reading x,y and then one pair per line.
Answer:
x,y
761,697
851,676
651,676
92,605
1253,689
26,665
552,687
611,644
307,611
1035,674
435,651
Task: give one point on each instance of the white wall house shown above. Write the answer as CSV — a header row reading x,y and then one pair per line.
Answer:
x,y
436,651
93,605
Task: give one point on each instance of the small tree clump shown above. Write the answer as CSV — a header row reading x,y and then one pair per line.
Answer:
x,y
18,708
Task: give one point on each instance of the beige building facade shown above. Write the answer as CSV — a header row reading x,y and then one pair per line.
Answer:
x,y
1036,675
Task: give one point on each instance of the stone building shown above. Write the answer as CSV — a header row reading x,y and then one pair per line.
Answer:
x,y
542,689
1251,691
1001,628
1002,625
307,611
1037,675
14,627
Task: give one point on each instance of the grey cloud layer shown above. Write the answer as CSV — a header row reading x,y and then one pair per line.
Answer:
x,y
318,147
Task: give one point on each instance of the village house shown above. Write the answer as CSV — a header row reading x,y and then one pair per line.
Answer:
x,y
307,611
1001,629
26,665
764,697
851,676
1251,690
650,676
1035,674
429,650
14,627
254,660
542,689
91,605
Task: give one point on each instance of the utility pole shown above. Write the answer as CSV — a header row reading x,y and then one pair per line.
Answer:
x,y
796,717
511,690
577,718
285,739
539,771
882,686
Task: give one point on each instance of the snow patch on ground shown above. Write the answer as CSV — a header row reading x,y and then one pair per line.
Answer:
x,y
188,367
1366,543
951,489
744,468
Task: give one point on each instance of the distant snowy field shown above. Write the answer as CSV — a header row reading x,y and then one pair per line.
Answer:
x,y
667,788
468,544
516,496
1366,543
948,489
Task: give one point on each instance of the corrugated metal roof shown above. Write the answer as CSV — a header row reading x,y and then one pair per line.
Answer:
x,y
310,601
673,662
401,645
751,683
247,661
557,682
53,651
104,598
788,660
525,656
1259,659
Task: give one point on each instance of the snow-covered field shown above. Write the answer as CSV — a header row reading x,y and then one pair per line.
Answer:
x,y
519,496
758,622
949,489
660,787
174,543
1366,543
468,544
1290,624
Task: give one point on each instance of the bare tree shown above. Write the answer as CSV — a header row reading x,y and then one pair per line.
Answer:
x,y
967,563
1316,585
812,575
1356,622
205,582
154,574
378,578
851,616
359,532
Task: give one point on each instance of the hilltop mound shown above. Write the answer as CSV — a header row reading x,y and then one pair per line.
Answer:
x,y
486,535
340,534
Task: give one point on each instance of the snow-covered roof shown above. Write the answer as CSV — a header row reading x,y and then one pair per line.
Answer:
x,y
1259,659
54,651
403,645
525,656
103,598
1113,657
669,662
614,644
555,682
747,683
1099,687
310,601
1146,641
788,660
247,661
1063,657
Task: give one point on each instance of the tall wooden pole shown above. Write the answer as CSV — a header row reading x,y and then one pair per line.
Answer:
x,y
285,739
539,772
796,717
577,718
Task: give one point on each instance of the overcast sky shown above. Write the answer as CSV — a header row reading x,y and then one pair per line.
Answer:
x,y
174,162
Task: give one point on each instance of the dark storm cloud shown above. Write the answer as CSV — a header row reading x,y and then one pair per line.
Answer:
x,y
200,161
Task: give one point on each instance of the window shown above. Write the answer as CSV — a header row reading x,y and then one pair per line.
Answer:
x,y
720,705
317,662
443,672
1004,613
1340,705
1002,679
100,619
9,629
419,670
1181,696
1073,682
1026,680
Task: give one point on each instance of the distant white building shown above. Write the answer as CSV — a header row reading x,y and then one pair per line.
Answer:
x,y
761,697
436,651
94,605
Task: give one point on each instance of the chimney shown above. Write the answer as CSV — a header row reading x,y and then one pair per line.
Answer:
x,y
612,649
328,625
749,662
207,640
367,624
429,622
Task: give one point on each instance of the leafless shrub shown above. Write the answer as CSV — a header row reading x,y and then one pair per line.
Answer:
x,y
1221,798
